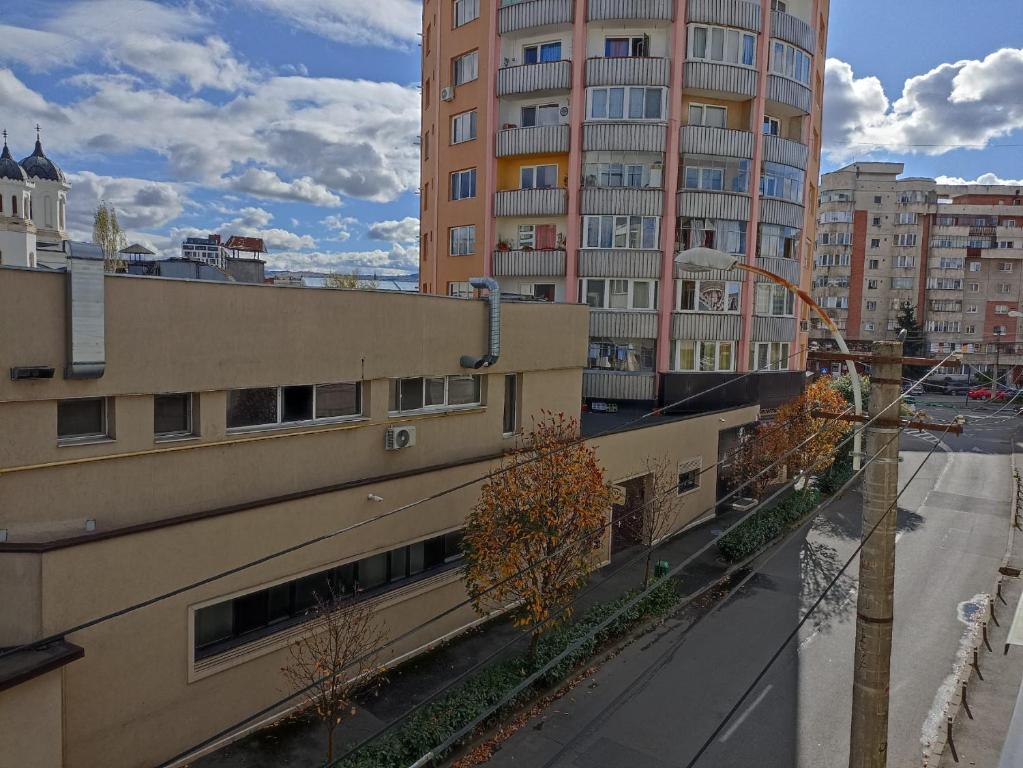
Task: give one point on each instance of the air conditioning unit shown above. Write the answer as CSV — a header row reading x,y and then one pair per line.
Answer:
x,y
447,94
804,325
396,438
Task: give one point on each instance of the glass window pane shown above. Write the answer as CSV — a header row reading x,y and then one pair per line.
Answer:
x,y
748,50
308,588
278,603
434,391
172,414
528,117
463,390
700,42
695,115
296,403
641,295
687,295
595,293
433,552
649,232
417,558
653,103
598,103
344,576
708,351
616,105
717,44
373,571
715,117
213,623
725,356
411,394
686,356
399,561
334,400
250,612
250,407
452,545
81,418
635,103
619,294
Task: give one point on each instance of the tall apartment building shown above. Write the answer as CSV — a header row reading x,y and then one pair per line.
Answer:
x,y
952,252
160,431
571,148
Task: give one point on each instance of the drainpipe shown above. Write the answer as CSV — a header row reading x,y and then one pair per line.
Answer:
x,y
494,350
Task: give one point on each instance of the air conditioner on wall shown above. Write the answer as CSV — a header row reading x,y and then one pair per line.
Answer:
x,y
396,438
447,94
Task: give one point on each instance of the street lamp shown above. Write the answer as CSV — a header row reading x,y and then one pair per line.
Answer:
x,y
709,259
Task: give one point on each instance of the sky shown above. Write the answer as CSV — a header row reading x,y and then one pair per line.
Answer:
x,y
296,120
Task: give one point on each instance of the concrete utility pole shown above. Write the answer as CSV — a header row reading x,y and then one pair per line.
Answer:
x,y
868,747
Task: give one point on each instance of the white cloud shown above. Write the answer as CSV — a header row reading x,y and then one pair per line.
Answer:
x,y
983,179
404,231
340,225
264,183
393,23
140,204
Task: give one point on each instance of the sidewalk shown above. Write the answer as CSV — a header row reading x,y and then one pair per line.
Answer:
x,y
298,742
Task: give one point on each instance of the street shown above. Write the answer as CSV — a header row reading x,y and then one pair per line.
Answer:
x,y
656,702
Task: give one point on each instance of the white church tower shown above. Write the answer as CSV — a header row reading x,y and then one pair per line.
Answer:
x,y
49,200
17,230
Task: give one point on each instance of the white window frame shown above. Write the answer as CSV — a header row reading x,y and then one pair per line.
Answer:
x,y
465,68
731,287
532,172
447,396
105,433
727,35
463,127
767,297
778,356
281,424
465,11
698,347
457,175
1005,266
620,286
791,62
466,234
703,108
774,124
615,222
626,101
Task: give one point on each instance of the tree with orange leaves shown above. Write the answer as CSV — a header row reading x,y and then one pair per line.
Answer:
x,y
531,537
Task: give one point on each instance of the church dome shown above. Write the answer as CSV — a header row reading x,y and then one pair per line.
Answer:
x,y
39,166
9,168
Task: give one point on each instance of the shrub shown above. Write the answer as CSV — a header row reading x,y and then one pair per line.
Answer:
x,y
767,525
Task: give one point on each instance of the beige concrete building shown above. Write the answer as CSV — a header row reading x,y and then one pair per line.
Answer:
x,y
157,432
952,252
571,148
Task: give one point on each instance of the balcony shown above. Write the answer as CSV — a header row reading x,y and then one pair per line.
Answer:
x,y
622,324
616,385
515,16
529,263
714,79
531,202
775,211
786,152
595,262
786,268
706,326
622,201
699,204
628,71
786,91
702,140
615,10
624,136
546,77
541,140
793,30
726,13
773,328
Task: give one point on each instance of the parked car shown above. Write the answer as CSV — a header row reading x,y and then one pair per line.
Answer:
x,y
984,393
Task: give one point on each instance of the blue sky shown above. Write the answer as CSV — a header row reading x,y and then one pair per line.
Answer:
x,y
296,119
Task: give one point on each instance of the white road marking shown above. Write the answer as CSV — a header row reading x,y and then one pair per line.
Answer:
x,y
742,718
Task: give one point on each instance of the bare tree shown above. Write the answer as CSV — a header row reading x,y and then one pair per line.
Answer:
x,y
659,514
349,281
335,659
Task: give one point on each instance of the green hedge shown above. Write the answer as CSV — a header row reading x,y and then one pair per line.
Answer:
x,y
434,723
767,525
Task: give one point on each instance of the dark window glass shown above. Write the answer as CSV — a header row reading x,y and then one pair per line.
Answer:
x,y
433,552
213,623
434,391
463,390
345,576
278,603
687,481
373,571
411,394
172,414
399,562
452,545
335,400
416,558
511,406
250,612
309,587
251,407
296,403
81,418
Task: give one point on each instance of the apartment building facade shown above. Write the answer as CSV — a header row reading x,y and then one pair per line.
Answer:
x,y
952,252
158,432
571,148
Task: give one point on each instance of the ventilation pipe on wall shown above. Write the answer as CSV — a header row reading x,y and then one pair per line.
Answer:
x,y
494,350
86,332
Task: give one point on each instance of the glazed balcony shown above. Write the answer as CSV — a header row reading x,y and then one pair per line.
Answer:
x,y
793,30
726,13
518,263
622,201
532,14
531,202
637,70
723,80
787,91
786,152
545,77
539,140
624,136
703,140
615,10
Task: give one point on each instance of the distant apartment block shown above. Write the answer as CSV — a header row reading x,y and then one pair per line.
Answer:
x,y
571,148
954,253
239,258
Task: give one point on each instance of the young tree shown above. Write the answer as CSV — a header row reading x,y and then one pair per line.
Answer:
x,y
659,514
107,234
348,281
532,534
914,345
335,659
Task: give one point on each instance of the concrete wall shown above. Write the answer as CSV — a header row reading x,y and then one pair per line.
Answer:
x,y
31,723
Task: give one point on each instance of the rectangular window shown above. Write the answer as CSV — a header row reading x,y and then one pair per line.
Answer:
x,y
611,354
772,126
538,176
461,290
462,240
871,306
689,475
778,242
335,401
774,300
172,415
626,47
82,419
542,291
465,68
769,356
463,184
434,392
1005,266
791,62
541,52
721,234
251,407
875,242
540,114
729,46
270,406
906,239
466,11
625,103
704,356
621,232
602,293
715,174
782,181
710,116
708,295
463,127
510,420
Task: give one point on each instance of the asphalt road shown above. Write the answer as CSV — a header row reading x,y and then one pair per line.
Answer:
x,y
656,703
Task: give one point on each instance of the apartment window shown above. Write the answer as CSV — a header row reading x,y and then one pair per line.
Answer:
x,y
540,114
542,291
1005,266
872,285
1004,288
541,52
877,199
704,356
708,295
251,407
1006,244
616,169
233,622
463,127
601,293
172,415
269,406
775,300
769,356
905,262
875,242
620,232
461,290
710,116
974,287
876,221
538,176
433,392
871,306
82,419
946,262
791,62
466,11
778,242
621,103
971,309
907,218
975,266
782,181
906,239
874,264
716,174
689,475
772,126
465,68
335,401
970,329
510,419
612,354
902,283
869,327
723,234
999,330
729,46
626,47
462,240
463,184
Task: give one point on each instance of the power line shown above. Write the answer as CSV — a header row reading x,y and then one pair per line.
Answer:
x,y
781,648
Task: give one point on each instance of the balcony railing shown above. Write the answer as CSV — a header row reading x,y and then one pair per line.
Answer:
x,y
595,262
700,204
622,201
532,78
785,151
706,326
712,77
539,140
613,10
627,136
787,91
787,268
703,140
637,70
615,385
531,202
774,211
773,328
519,263
793,30
621,324
514,16
727,13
